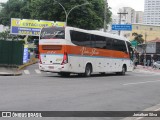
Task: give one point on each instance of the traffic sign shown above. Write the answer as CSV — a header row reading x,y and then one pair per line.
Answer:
x,y
134,43
25,54
125,27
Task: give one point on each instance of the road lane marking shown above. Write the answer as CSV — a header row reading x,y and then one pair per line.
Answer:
x,y
139,118
37,71
26,72
141,82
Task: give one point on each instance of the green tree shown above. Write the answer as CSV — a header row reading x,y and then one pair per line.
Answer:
x,y
138,37
7,36
88,17
25,9
4,35
14,9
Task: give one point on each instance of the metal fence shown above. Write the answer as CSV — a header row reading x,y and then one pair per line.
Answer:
x,y
11,52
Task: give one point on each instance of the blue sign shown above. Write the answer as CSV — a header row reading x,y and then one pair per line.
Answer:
x,y
26,31
25,55
123,27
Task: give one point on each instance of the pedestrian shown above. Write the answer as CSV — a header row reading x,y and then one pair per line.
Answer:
x,y
144,62
148,63
136,62
152,62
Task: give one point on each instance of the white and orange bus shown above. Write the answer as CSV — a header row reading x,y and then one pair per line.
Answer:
x,y
67,50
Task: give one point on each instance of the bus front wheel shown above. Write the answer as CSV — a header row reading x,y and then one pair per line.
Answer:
x,y
123,72
88,70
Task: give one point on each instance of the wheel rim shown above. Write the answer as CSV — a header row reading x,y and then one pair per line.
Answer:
x,y
123,70
88,71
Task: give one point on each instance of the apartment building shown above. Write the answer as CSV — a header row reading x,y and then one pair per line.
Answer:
x,y
152,12
130,17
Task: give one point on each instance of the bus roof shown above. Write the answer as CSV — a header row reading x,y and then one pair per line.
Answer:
x,y
100,33
96,32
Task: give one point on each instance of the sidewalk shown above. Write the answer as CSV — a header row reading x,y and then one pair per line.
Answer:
x,y
8,71
149,69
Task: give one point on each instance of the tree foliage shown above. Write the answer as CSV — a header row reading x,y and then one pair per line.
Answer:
x,y
4,35
89,16
7,36
138,37
13,9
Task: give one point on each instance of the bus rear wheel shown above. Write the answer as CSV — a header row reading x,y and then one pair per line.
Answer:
x,y
88,70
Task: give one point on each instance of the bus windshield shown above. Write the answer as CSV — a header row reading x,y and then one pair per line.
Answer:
x,y
53,33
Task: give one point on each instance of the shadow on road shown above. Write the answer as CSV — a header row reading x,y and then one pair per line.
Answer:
x,y
92,76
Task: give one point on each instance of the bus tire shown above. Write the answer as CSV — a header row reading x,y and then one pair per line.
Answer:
x,y
88,70
123,72
64,74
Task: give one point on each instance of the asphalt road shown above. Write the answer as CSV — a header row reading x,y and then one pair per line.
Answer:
x,y
36,91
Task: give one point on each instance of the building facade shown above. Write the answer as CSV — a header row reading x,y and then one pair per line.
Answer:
x,y
139,16
152,12
149,32
130,17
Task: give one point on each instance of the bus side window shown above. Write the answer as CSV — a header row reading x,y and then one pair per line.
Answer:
x,y
109,43
80,39
123,46
99,42
93,42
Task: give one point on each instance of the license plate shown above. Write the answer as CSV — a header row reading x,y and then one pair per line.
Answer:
x,y
51,67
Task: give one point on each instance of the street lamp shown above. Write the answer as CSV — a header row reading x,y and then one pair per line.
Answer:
x,y
67,13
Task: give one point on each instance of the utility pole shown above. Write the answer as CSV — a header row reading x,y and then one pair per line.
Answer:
x,y
105,12
120,15
145,38
145,44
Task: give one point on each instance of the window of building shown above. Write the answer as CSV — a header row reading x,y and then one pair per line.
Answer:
x,y
137,27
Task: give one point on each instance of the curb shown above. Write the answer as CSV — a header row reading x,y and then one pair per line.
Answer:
x,y
11,74
151,71
18,71
32,61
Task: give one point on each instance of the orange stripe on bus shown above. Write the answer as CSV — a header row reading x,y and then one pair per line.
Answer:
x,y
86,51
